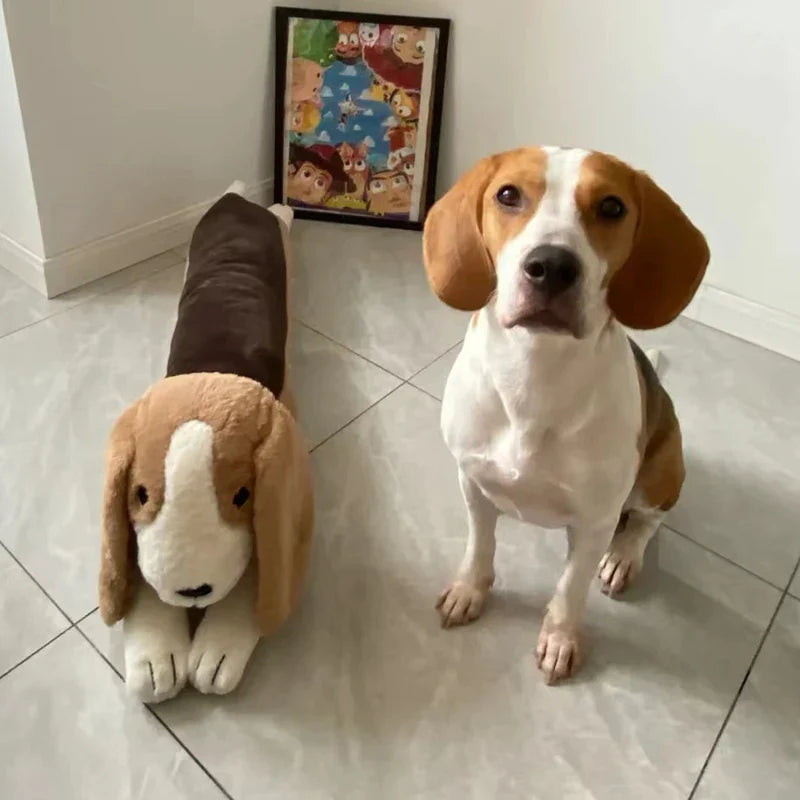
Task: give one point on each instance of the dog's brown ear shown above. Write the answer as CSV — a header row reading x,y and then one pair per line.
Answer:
x,y
459,268
665,267
117,551
283,515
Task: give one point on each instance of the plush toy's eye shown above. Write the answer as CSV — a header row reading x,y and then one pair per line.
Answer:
x,y
241,497
141,494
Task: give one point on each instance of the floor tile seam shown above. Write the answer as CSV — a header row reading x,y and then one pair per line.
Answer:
x,y
298,320
358,416
205,770
36,582
37,650
433,361
91,298
725,558
742,685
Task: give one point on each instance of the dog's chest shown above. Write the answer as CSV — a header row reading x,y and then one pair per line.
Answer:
x,y
558,461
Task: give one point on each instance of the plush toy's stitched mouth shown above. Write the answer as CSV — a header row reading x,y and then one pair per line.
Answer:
x,y
199,591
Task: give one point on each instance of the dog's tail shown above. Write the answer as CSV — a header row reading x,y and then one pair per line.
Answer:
x,y
654,357
237,187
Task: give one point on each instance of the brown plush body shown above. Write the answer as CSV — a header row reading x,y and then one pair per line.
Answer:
x,y
232,314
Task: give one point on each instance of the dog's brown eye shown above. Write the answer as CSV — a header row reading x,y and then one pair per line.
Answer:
x,y
241,497
611,207
509,196
141,494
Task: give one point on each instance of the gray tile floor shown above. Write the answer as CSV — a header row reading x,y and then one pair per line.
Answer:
x,y
692,686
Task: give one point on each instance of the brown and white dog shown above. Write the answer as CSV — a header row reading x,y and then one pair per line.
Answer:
x,y
554,416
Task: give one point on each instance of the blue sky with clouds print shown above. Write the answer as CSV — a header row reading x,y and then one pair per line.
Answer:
x,y
367,120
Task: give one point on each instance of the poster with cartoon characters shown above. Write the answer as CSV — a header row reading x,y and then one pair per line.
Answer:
x,y
359,107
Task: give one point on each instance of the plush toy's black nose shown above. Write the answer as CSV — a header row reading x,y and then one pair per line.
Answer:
x,y
199,591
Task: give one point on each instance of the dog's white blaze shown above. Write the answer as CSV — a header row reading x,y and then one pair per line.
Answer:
x,y
556,221
188,543
556,218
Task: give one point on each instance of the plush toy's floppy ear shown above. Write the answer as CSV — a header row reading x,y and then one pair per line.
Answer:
x,y
459,268
117,554
665,267
283,516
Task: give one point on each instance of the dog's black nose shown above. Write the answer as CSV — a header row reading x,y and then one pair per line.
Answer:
x,y
551,268
199,591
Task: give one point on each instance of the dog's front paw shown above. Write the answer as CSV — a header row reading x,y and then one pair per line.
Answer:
x,y
619,567
460,603
217,663
157,674
558,651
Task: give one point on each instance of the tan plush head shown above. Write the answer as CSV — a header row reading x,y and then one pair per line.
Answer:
x,y
204,472
564,237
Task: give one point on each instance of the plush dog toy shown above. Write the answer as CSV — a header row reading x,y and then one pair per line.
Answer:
x,y
207,499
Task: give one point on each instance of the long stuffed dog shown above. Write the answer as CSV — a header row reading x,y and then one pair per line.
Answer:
x,y
207,500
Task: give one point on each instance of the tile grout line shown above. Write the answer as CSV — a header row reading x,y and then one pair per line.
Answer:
x,y
39,585
349,349
161,722
85,616
724,558
424,391
725,721
403,381
431,363
49,641
94,296
357,416
37,651
406,382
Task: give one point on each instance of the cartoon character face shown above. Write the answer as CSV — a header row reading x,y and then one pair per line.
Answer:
x,y
404,105
306,81
408,44
304,117
402,137
308,183
369,33
348,47
379,90
389,193
354,161
407,166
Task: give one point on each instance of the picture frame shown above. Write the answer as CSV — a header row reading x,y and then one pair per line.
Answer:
x,y
358,111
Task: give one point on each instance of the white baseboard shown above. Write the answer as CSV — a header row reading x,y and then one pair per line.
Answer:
x,y
772,329
23,263
102,257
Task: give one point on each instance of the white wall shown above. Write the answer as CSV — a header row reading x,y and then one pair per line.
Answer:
x,y
703,94
137,110
19,219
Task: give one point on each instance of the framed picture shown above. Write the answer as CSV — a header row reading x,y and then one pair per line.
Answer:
x,y
358,111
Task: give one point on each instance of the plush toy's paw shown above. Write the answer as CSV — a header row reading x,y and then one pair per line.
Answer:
x,y
157,675
217,662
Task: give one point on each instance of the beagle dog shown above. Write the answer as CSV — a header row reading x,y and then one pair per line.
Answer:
x,y
553,415
207,501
